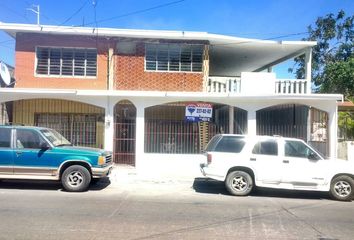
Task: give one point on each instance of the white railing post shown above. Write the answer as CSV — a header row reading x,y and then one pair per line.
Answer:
x,y
224,85
291,86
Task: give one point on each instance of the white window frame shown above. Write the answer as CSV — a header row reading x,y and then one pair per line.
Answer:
x,y
168,56
61,62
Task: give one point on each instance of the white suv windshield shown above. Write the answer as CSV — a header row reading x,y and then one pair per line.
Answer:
x,y
55,138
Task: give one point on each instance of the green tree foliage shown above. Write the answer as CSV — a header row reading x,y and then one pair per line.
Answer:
x,y
339,77
332,57
346,124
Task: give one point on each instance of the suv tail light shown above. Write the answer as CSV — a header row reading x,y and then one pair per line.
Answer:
x,y
209,158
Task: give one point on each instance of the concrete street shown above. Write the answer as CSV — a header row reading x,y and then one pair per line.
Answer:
x,y
137,208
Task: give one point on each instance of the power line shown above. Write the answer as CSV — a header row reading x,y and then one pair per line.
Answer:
x,y
111,18
249,41
15,12
10,48
50,19
7,41
136,12
75,13
288,35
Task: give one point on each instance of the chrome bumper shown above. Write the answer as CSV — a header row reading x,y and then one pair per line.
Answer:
x,y
101,172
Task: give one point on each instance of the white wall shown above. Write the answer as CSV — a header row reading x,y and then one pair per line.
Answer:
x,y
186,165
350,147
253,83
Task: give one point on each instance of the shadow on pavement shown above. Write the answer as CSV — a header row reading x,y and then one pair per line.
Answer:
x,y
47,185
210,186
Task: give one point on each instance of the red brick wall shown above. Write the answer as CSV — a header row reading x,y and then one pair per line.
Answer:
x,y
129,69
25,62
131,75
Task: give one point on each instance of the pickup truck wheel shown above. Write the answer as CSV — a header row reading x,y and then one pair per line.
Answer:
x,y
76,178
239,183
342,188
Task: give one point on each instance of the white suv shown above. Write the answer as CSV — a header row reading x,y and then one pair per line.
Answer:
x,y
243,162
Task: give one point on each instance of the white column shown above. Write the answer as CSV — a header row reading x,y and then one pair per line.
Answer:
x,y
308,130
251,122
111,65
308,60
109,126
139,135
332,132
231,119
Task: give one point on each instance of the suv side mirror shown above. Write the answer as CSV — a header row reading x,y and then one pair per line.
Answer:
x,y
313,156
45,146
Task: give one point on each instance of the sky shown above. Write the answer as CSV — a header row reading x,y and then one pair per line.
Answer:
x,y
261,19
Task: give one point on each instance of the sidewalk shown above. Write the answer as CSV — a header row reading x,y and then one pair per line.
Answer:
x,y
127,179
129,174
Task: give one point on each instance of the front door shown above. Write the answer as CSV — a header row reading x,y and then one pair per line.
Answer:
x,y
29,157
303,167
6,151
124,133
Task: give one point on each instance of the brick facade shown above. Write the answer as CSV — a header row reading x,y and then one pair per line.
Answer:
x,y
131,75
25,62
129,70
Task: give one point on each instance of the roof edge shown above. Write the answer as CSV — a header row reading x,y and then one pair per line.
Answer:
x,y
13,28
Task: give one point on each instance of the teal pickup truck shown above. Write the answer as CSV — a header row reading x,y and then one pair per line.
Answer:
x,y
28,152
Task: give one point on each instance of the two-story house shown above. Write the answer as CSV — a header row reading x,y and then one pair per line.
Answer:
x,y
136,92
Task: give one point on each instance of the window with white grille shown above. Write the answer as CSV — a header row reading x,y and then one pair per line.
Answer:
x,y
174,57
66,62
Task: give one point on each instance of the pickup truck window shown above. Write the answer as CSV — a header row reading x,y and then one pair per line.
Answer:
x,y
230,144
27,139
5,137
266,147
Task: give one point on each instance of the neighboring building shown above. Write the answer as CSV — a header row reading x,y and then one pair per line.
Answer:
x,y
129,91
6,107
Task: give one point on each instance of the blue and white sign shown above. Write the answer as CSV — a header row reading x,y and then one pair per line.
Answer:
x,y
199,112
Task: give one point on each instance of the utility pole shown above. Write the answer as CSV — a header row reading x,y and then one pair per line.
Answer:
x,y
36,11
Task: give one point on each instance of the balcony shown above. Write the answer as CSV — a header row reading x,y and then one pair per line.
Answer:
x,y
224,84
251,83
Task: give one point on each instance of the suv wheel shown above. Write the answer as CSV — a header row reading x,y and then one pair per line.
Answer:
x,y
342,188
239,183
76,178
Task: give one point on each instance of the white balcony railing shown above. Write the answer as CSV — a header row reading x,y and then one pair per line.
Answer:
x,y
224,84
257,83
291,86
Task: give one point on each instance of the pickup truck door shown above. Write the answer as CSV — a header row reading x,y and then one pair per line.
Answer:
x,y
303,167
266,162
6,151
30,158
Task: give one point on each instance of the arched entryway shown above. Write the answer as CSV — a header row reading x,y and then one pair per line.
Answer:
x,y
168,131
124,133
297,121
81,123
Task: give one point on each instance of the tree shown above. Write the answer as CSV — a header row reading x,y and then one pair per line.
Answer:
x,y
346,124
338,77
332,57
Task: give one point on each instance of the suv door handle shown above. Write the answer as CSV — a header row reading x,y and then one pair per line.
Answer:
x,y
253,159
285,161
18,153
